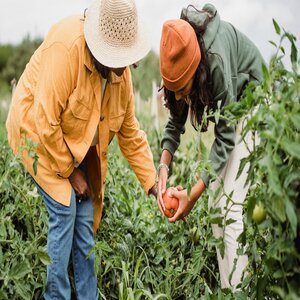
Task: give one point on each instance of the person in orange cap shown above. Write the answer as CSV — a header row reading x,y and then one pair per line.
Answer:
x,y
205,61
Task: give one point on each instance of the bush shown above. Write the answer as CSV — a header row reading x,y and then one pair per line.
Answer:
x,y
274,177
16,58
23,228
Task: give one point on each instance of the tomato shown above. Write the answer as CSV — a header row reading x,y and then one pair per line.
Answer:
x,y
171,204
259,213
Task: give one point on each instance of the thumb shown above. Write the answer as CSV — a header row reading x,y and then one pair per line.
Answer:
x,y
179,188
175,193
175,217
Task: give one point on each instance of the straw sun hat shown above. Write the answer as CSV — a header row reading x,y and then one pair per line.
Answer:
x,y
114,34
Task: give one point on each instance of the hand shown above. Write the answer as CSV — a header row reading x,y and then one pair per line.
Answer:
x,y
79,183
185,204
162,183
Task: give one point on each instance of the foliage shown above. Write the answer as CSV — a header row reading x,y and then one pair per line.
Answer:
x,y
13,59
146,73
273,111
141,255
5,52
23,228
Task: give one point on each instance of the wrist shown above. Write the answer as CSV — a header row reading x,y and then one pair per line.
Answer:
x,y
162,165
197,190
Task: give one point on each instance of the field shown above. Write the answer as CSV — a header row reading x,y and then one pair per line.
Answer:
x,y
140,255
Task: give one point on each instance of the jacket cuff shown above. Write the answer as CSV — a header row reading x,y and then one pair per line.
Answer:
x,y
150,183
206,178
167,145
67,172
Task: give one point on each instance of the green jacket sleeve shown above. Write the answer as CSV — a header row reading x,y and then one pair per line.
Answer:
x,y
174,128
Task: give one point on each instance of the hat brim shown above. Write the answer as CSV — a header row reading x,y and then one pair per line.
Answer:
x,y
106,54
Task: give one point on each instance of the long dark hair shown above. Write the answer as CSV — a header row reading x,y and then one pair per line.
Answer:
x,y
200,95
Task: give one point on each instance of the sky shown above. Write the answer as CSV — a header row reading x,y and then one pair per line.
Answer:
x,y
253,17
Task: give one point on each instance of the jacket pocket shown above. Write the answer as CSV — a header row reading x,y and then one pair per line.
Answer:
x,y
79,109
75,117
116,122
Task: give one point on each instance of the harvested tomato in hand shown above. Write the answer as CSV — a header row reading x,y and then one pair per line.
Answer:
x,y
171,204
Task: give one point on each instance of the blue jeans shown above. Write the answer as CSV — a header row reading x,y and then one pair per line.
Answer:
x,y
70,231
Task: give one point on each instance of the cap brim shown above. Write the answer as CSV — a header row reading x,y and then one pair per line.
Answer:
x,y
106,54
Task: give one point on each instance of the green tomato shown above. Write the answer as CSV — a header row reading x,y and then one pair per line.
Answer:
x,y
259,213
195,236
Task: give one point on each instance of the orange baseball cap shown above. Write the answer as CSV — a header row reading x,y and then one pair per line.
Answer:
x,y
179,54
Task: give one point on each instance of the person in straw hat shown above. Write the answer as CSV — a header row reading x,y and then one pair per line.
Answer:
x,y
75,94
205,63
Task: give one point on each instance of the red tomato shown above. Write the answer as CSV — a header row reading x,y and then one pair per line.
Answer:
x,y
171,204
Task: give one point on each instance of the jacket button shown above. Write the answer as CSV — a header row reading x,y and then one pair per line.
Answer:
x,y
101,118
104,181
104,153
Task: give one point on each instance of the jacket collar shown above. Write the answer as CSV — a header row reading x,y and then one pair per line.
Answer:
x,y
112,77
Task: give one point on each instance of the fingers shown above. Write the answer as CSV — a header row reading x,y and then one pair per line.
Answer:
x,y
159,197
179,188
162,187
159,193
88,191
175,193
177,216
163,184
160,207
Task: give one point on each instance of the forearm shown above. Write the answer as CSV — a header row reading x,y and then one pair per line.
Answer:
x,y
197,190
166,157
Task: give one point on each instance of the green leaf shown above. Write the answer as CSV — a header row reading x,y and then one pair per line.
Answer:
x,y
276,26
294,53
19,270
282,49
265,72
279,291
3,295
296,120
291,215
273,177
23,290
261,286
278,208
44,257
242,165
124,192
273,43
34,166
230,221
293,148
203,150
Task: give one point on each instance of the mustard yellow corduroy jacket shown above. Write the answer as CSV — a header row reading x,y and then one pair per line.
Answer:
x,y
57,104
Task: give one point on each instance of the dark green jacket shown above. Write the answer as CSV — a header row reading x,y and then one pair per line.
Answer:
x,y
234,61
